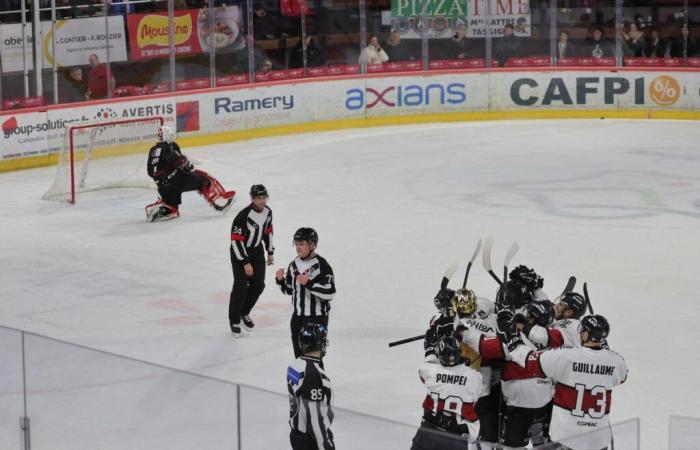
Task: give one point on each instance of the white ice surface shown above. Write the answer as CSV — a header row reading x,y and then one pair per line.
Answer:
x,y
616,203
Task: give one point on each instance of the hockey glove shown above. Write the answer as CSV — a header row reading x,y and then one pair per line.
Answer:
x,y
527,277
541,312
184,164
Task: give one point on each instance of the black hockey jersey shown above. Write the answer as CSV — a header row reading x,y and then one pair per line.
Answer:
x,y
249,229
310,401
165,161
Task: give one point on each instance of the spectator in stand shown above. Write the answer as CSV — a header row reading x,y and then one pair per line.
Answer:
x,y
632,40
462,46
565,49
240,57
373,53
598,46
97,79
507,46
655,46
396,49
684,45
314,57
261,22
73,86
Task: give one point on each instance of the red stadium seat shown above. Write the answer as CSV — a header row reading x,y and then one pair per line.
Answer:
x,y
477,63
13,103
539,61
295,73
409,66
201,83
516,61
567,62
184,85
673,62
595,62
230,80
317,71
32,102
157,88
376,68
643,62
693,62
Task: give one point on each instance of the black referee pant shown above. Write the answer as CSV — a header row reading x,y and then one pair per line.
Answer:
x,y
299,321
246,290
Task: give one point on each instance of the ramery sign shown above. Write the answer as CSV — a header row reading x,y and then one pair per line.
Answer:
x,y
432,8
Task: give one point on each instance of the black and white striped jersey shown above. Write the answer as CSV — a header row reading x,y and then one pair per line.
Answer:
x,y
310,401
249,229
314,298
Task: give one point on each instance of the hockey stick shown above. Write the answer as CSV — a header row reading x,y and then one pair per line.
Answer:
x,y
588,299
569,285
471,261
486,259
443,285
407,340
509,256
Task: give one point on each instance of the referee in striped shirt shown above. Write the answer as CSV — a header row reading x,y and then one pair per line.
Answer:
x,y
250,231
309,280
310,393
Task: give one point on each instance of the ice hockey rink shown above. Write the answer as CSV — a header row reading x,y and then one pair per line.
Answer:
x,y
615,203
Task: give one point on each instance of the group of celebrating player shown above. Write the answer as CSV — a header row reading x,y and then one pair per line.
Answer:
x,y
518,371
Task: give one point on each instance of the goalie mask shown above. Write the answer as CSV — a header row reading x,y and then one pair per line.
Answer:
x,y
165,134
464,303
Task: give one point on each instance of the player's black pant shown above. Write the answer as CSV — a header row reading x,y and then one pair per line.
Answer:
x,y
171,193
303,441
299,321
517,422
430,438
487,409
246,290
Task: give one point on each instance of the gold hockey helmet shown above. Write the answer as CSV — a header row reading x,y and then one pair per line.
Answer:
x,y
464,303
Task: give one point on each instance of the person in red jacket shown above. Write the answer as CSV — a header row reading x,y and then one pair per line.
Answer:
x,y
97,79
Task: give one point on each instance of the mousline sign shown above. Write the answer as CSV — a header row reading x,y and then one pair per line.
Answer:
x,y
409,95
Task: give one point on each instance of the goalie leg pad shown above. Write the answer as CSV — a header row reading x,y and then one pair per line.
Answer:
x,y
160,211
215,194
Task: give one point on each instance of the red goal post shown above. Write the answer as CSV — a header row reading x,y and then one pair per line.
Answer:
x,y
87,157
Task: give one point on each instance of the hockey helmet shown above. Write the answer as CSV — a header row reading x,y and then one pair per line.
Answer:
x,y
527,277
257,190
597,327
443,300
306,234
513,294
313,337
449,351
165,134
575,302
464,303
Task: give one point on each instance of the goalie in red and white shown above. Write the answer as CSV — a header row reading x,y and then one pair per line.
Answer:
x,y
175,174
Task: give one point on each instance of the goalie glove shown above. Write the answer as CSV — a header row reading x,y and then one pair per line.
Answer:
x,y
184,164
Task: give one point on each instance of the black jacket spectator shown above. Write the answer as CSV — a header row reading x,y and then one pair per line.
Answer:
x,y
507,46
72,87
633,41
565,49
598,46
678,46
655,46
314,57
396,49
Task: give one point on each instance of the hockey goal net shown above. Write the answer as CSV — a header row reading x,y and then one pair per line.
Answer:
x,y
87,157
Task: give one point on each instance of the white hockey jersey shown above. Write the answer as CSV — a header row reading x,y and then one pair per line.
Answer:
x,y
476,328
583,381
562,333
452,393
521,389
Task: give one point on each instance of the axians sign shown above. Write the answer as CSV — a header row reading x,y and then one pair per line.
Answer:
x,y
411,95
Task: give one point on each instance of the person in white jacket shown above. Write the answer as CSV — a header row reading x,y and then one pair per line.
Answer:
x,y
373,53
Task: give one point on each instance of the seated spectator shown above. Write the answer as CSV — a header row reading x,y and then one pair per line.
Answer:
x,y
241,57
73,86
261,22
655,46
632,40
507,46
373,53
314,57
684,45
462,46
397,50
598,46
565,49
97,79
